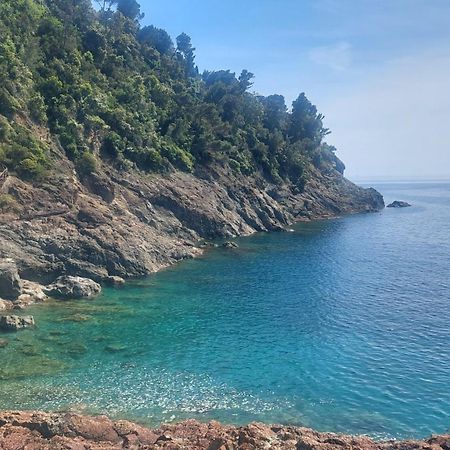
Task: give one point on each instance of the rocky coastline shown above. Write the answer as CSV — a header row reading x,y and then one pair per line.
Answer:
x,y
114,225
68,431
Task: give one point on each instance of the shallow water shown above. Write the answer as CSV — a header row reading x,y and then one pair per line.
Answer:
x,y
341,325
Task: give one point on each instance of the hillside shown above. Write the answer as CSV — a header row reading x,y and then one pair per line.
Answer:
x,y
118,156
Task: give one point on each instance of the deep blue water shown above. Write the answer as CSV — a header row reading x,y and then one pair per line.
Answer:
x,y
341,325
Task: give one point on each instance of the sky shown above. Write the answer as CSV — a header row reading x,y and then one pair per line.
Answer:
x,y
379,70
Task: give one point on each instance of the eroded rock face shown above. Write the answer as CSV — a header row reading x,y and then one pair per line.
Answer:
x,y
10,284
137,225
67,287
36,430
15,323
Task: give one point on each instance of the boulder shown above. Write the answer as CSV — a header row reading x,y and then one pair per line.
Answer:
x,y
10,284
5,304
68,287
15,323
114,280
398,204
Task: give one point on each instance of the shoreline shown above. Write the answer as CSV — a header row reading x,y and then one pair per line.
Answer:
x,y
58,431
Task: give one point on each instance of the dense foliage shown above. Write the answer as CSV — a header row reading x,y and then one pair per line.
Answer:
x,y
108,89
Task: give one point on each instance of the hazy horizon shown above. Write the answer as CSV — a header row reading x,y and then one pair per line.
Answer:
x,y
377,70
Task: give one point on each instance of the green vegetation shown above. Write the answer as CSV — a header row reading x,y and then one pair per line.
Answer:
x,y
110,90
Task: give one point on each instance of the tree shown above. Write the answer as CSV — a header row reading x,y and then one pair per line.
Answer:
x,y
130,9
306,122
275,111
245,80
157,38
184,47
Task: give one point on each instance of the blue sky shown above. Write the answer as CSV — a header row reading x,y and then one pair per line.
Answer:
x,y
378,69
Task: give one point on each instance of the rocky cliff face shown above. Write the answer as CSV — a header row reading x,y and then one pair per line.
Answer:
x,y
131,224
71,431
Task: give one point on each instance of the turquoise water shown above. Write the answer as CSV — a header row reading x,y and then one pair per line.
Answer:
x,y
341,325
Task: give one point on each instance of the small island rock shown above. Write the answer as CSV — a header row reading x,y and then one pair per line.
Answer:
x,y
398,204
68,287
10,284
15,323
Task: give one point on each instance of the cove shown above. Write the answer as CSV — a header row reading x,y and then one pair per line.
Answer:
x,y
340,325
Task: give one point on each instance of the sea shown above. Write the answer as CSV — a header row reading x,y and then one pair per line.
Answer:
x,y
340,325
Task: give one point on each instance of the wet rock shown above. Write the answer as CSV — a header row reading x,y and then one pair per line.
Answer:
x,y
207,244
10,284
398,204
68,287
113,280
3,343
15,323
230,244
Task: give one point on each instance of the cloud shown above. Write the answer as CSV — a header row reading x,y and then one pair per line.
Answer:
x,y
337,56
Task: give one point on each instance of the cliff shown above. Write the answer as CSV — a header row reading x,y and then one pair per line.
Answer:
x,y
63,431
131,224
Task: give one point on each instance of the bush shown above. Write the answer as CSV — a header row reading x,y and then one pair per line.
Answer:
x,y
178,157
86,164
8,204
30,168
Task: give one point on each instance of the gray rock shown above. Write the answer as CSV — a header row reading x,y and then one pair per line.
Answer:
x,y
15,323
10,284
398,204
230,245
3,343
114,280
68,287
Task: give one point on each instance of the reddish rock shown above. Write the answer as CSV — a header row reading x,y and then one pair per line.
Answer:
x,y
67,431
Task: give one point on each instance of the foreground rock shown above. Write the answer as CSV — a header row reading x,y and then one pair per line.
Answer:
x,y
15,323
10,285
398,204
36,430
68,287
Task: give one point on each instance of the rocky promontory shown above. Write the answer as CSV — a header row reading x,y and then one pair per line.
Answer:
x,y
117,224
67,431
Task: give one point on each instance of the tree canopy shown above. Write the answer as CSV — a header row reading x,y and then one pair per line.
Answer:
x,y
104,86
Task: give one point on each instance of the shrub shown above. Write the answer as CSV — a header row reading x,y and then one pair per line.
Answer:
x,y
8,204
86,164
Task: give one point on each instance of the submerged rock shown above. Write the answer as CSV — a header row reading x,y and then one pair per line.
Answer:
x,y
115,348
398,204
15,323
10,284
68,287
3,343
